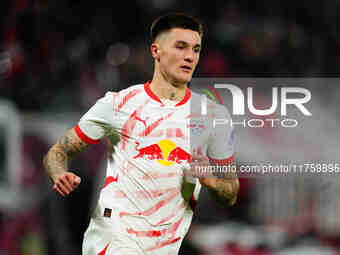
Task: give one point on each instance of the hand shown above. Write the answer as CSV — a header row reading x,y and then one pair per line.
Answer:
x,y
65,183
199,166
198,163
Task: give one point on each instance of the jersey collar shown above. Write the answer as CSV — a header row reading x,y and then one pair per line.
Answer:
x,y
156,98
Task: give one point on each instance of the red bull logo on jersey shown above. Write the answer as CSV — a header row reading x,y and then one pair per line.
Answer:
x,y
165,152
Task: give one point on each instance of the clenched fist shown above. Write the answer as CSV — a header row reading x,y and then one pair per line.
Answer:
x,y
65,183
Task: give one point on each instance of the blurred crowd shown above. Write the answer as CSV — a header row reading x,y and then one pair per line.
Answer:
x,y
67,53
58,57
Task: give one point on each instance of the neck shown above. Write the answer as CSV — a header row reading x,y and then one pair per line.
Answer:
x,y
168,90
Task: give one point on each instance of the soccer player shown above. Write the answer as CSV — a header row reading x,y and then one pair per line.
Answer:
x,y
141,208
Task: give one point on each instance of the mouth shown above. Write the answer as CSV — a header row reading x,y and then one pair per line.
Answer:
x,y
186,68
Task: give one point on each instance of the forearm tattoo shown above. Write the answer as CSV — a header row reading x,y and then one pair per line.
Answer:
x,y
68,146
226,188
71,144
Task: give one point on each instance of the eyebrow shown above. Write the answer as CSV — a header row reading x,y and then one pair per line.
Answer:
x,y
184,42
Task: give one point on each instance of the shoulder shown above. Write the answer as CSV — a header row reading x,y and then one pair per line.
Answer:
x,y
114,96
132,89
129,92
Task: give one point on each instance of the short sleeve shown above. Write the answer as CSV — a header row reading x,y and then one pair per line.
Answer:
x,y
95,123
222,138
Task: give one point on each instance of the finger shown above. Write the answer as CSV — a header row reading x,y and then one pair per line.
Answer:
x,y
73,180
66,183
62,188
76,181
58,190
60,184
69,177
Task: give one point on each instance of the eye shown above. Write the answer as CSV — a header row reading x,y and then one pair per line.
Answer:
x,y
197,50
181,47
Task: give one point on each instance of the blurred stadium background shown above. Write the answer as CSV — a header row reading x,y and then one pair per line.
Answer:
x,y
58,57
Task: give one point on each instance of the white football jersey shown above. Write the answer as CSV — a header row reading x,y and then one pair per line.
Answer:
x,y
140,208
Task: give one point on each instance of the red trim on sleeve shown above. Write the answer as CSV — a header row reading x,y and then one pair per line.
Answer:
x,y
225,161
84,137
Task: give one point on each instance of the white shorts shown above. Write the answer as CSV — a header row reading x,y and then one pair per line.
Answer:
x,y
99,239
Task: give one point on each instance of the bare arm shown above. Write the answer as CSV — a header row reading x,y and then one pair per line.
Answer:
x,y
223,187
56,162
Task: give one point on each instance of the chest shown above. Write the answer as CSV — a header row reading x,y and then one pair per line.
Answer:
x,y
164,129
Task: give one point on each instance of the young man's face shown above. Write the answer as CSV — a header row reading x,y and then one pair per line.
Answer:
x,y
178,54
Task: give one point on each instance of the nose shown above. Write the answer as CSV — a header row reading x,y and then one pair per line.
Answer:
x,y
189,56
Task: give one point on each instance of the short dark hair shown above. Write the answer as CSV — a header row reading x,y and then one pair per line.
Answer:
x,y
174,20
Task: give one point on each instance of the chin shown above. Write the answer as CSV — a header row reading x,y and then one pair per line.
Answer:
x,y
185,79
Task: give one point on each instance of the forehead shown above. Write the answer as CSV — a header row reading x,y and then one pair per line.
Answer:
x,y
180,34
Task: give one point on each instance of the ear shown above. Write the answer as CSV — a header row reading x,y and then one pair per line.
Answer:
x,y
155,51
